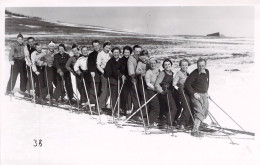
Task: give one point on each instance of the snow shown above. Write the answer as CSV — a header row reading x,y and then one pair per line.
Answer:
x,y
30,26
70,138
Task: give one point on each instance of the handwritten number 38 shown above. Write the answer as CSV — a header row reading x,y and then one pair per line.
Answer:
x,y
37,143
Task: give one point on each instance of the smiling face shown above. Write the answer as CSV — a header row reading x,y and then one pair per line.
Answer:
x,y
51,48
153,64
127,53
184,66
38,48
96,46
167,66
31,42
201,66
61,50
84,51
75,51
116,53
107,48
20,40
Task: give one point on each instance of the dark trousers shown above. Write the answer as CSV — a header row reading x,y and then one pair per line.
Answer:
x,y
19,67
125,97
186,105
104,92
29,80
153,106
178,104
114,95
80,87
40,83
59,91
164,108
134,96
49,78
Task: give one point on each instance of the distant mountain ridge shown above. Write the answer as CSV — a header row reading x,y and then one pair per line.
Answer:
x,y
15,23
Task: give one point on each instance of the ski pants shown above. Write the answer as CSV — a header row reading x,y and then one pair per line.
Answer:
x,y
104,92
153,106
165,109
185,118
200,106
19,67
59,91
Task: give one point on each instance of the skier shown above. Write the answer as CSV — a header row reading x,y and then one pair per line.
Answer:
x,y
60,60
38,68
163,85
18,66
50,72
69,66
197,85
150,78
114,70
131,66
102,59
141,69
125,99
81,69
178,82
92,67
29,48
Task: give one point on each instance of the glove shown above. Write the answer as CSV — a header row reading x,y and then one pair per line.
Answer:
x,y
197,96
12,62
45,64
123,78
164,92
29,63
92,74
78,72
61,73
37,73
133,80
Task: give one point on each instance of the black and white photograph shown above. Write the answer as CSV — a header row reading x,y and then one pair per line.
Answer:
x,y
126,83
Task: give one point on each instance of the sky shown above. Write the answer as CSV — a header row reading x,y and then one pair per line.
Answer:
x,y
236,21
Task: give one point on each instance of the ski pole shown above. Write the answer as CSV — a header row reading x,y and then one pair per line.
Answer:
x,y
140,107
46,74
188,105
84,82
96,99
226,114
232,142
145,101
33,88
40,92
118,96
169,109
118,88
77,92
64,87
109,87
12,70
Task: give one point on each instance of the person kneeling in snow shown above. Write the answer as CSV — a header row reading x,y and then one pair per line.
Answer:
x,y
197,85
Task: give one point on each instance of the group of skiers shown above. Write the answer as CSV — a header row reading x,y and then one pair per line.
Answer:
x,y
129,78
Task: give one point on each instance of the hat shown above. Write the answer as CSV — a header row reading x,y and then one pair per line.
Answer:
x,y
62,45
20,35
51,44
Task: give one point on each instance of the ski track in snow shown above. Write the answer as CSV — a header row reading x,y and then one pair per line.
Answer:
x,y
70,138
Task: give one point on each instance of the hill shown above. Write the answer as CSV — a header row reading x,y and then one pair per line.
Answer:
x,y
45,30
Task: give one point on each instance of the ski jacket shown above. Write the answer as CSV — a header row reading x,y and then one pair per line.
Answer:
x,y
16,52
